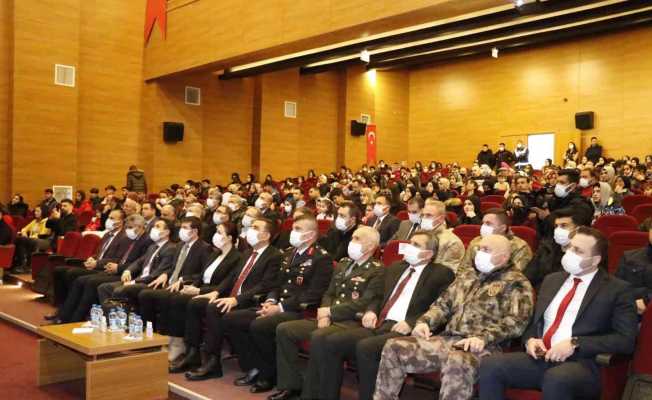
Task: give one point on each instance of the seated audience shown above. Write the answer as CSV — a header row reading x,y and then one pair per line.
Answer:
x,y
17,206
635,267
603,201
34,236
471,214
408,227
384,222
337,239
6,230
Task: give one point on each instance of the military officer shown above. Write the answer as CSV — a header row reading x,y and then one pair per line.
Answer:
x,y
356,280
479,310
304,276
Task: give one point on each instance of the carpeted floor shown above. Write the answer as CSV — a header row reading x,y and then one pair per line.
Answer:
x,y
18,361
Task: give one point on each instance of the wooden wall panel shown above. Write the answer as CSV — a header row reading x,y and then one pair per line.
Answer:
x,y
45,120
392,112
455,108
360,99
110,84
227,127
6,67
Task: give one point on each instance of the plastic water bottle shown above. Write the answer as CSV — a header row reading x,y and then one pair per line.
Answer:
x,y
100,315
122,317
103,324
149,331
113,320
93,317
132,318
132,326
138,328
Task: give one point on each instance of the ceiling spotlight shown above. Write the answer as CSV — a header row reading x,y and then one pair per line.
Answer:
x,y
494,52
519,3
365,56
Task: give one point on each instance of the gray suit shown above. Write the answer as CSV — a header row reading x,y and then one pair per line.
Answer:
x,y
405,230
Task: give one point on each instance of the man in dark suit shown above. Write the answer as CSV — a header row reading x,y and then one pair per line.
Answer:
x,y
392,313
257,275
78,304
635,267
579,314
187,264
113,245
337,239
408,227
156,261
385,223
148,210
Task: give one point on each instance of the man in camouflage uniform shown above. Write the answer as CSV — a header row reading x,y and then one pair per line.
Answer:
x,y
481,309
451,249
355,282
304,276
496,221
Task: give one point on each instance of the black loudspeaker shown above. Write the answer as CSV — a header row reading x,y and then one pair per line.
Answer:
x,y
358,128
584,120
172,132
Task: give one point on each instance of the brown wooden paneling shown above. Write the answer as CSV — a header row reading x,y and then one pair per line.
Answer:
x,y
392,107
6,65
360,99
455,108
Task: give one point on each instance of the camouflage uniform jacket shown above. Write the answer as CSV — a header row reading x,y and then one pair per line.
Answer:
x,y
521,253
302,278
348,295
450,251
495,307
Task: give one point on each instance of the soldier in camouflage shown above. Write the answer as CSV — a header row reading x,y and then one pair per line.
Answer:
x,y
481,309
451,249
496,221
355,282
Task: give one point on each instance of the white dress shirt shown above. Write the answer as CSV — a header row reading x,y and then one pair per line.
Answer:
x,y
208,273
399,309
565,330
148,267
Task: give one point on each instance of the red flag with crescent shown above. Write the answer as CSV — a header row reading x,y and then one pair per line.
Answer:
x,y
371,144
156,12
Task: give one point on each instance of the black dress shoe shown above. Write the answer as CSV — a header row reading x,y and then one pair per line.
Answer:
x,y
212,368
284,395
247,380
51,317
190,360
261,386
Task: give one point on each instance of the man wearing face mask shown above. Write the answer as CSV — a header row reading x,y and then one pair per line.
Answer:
x,y
250,215
580,312
255,276
303,278
83,293
503,155
264,204
588,178
337,239
355,282
408,227
382,221
483,308
156,261
496,222
407,289
450,251
547,258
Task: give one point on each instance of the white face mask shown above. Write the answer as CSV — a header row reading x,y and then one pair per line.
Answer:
x,y
486,230
483,262
219,240
572,263
429,224
211,203
295,238
562,236
155,234
259,204
184,234
232,206
379,210
252,237
415,218
287,208
218,218
163,201
246,221
109,224
190,214
561,190
341,224
131,233
301,203
355,251
584,182
411,255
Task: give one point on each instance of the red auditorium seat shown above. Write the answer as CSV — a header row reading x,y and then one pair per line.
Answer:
x,y
642,212
87,246
324,225
528,234
492,198
466,233
403,215
7,255
630,202
85,218
608,224
390,254
287,225
68,248
620,242
152,196
484,206
451,217
642,362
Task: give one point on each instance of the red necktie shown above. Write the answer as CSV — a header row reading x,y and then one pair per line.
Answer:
x,y
243,275
394,298
560,313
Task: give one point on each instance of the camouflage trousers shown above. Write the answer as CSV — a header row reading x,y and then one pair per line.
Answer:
x,y
405,355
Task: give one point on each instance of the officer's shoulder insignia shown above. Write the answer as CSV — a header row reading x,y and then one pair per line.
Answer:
x,y
306,263
345,260
358,279
495,288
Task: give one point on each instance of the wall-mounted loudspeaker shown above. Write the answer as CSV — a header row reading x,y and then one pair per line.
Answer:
x,y
172,132
358,128
584,120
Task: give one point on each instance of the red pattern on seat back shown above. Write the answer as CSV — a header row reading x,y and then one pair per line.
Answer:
x,y
7,255
630,202
620,242
492,198
642,363
85,218
642,212
287,225
324,225
608,224
403,215
466,233
451,217
70,244
390,254
88,246
528,234
487,205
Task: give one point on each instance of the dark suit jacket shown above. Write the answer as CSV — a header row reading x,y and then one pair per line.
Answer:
x,y
387,227
141,245
404,228
63,225
228,264
635,267
336,242
434,279
161,264
114,252
261,279
606,321
197,257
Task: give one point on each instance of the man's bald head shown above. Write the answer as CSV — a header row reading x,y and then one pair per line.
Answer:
x,y
499,247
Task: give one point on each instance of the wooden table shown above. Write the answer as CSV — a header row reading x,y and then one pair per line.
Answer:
x,y
113,368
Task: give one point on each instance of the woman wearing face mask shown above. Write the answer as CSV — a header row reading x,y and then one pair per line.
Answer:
x,y
603,201
622,187
200,292
287,208
471,213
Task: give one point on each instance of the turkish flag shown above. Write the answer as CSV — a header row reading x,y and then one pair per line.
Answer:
x,y
156,11
371,144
